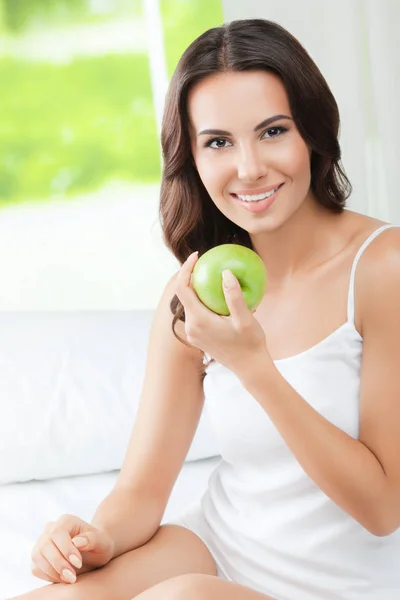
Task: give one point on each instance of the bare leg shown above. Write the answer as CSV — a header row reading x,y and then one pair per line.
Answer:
x,y
172,551
200,587
49,592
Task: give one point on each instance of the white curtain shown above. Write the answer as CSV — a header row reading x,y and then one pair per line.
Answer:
x,y
355,43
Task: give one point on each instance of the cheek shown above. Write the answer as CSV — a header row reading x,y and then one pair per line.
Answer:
x,y
209,174
299,159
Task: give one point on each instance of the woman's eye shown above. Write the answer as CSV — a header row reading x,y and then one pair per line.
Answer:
x,y
276,131
217,143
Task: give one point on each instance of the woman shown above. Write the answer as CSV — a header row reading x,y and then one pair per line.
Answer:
x,y
303,393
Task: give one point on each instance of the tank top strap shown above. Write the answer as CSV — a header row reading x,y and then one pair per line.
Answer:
x,y
350,300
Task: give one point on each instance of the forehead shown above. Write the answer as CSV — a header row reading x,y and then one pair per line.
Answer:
x,y
224,98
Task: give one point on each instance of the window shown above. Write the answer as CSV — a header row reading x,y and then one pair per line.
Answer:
x,y
79,152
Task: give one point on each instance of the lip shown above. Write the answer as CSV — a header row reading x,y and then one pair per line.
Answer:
x,y
258,207
256,192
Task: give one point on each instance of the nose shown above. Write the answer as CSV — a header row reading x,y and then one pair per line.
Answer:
x,y
251,165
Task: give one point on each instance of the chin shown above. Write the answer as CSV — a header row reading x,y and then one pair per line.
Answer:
x,y
270,221
267,226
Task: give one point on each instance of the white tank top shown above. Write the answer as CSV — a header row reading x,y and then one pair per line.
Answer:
x,y
269,524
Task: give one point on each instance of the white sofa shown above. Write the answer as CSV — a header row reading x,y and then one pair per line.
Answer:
x,y
70,384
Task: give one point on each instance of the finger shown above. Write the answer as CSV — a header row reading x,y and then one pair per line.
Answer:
x,y
40,565
184,290
90,541
81,542
234,296
57,561
62,541
43,570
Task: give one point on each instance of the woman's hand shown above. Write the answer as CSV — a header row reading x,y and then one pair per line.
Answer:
x,y
232,341
68,547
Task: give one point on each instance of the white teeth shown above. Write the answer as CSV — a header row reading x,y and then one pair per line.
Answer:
x,y
259,197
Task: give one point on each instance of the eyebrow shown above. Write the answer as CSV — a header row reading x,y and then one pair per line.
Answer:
x,y
264,123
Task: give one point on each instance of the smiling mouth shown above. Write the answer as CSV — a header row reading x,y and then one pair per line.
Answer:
x,y
258,203
257,197
254,197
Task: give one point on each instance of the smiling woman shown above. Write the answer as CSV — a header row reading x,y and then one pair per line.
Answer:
x,y
295,499
303,392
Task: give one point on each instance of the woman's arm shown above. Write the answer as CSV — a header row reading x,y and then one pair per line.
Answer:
x,y
169,411
361,476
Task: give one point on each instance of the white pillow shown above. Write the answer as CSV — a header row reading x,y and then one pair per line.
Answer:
x,y
70,384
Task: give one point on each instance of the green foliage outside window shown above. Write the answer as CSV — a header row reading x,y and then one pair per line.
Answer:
x,y
69,128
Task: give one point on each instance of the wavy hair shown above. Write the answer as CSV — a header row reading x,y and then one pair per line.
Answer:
x,y
189,219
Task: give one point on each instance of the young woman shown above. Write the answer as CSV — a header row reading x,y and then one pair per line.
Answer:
x,y
303,393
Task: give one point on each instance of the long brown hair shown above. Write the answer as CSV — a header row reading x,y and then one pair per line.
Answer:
x,y
190,220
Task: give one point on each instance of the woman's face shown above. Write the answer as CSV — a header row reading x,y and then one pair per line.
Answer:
x,y
237,153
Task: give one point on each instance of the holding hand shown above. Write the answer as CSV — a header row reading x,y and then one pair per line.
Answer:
x,y
232,341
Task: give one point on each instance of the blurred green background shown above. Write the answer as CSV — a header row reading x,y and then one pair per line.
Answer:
x,y
68,127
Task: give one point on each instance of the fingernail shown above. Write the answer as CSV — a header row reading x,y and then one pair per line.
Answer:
x,y
68,576
193,253
75,560
79,541
229,279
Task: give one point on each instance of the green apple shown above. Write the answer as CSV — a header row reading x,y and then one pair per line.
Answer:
x,y
244,263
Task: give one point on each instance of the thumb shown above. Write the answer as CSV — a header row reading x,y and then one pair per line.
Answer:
x,y
91,541
233,294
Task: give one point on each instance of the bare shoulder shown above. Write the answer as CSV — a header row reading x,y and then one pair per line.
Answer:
x,y
359,227
378,279
383,253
